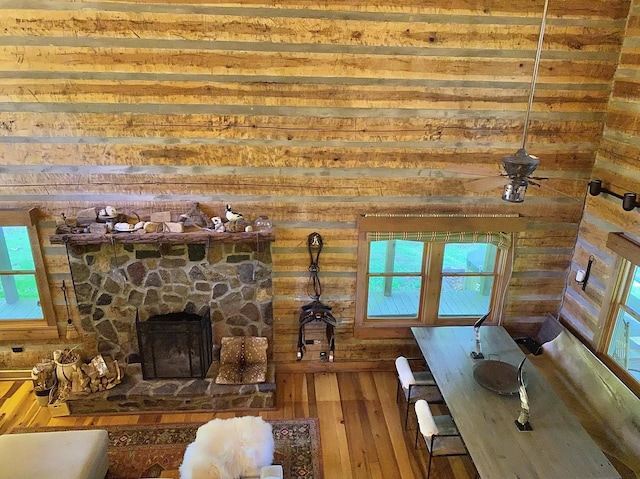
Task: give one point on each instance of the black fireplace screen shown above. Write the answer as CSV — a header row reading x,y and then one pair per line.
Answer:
x,y
175,345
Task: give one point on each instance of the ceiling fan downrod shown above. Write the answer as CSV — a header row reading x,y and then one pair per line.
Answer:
x,y
521,164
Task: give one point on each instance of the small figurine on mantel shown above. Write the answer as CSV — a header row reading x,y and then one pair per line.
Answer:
x,y
232,215
218,225
235,221
68,225
196,217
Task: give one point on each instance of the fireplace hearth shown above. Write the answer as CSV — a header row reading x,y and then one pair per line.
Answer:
x,y
175,345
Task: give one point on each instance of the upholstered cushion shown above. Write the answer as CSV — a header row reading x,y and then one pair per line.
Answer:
x,y
404,372
243,360
54,455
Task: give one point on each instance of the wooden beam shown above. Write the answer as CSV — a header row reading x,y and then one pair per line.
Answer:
x,y
624,246
170,238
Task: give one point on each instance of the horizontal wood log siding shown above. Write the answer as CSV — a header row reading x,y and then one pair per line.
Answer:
x,y
311,114
618,167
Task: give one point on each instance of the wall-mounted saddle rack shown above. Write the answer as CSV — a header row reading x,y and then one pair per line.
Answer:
x,y
316,311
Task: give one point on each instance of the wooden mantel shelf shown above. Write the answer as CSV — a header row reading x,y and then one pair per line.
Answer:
x,y
200,236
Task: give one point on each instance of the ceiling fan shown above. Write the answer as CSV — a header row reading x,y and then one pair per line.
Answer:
x,y
520,165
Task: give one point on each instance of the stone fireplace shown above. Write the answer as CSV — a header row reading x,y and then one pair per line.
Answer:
x,y
230,281
175,345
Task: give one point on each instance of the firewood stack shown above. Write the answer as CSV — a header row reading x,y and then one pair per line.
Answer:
x,y
98,375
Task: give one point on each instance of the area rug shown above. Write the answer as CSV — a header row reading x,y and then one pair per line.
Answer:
x,y
149,450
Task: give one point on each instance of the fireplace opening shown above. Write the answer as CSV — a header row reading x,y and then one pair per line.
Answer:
x,y
175,345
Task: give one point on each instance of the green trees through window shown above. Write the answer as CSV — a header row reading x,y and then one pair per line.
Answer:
x,y
26,310
19,297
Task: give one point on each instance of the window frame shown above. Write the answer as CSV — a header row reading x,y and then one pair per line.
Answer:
x,y
628,257
428,312
45,328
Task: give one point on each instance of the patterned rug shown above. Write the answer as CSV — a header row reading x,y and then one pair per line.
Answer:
x,y
149,450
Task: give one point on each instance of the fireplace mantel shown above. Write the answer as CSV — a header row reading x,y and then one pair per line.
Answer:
x,y
201,236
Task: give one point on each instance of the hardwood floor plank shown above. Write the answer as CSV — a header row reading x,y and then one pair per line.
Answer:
x,y
149,418
387,463
335,447
301,400
356,426
402,448
12,410
40,418
199,417
288,395
311,395
7,389
361,425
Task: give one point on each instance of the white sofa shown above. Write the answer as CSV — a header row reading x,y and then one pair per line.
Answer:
x,y
54,455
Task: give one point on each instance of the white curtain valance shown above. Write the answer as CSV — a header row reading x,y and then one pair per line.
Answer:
x,y
413,227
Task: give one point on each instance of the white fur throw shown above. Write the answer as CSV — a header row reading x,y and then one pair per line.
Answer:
x,y
229,449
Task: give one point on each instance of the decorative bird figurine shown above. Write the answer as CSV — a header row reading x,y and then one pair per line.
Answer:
x,y
232,215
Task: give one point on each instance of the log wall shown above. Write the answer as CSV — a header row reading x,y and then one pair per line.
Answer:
x,y
618,167
314,114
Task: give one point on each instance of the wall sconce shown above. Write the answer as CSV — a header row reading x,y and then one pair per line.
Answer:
x,y
582,276
628,199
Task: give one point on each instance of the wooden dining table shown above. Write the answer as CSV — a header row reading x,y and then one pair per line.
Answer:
x,y
557,447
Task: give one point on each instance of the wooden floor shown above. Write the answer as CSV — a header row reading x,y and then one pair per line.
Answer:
x,y
360,423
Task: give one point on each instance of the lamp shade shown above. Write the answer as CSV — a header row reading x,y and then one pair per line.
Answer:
x,y
514,191
521,164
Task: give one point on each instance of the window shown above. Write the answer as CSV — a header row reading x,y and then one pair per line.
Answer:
x,y
421,276
620,342
26,311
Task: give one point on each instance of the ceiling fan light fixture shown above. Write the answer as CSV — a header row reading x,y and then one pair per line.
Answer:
x,y
514,191
521,164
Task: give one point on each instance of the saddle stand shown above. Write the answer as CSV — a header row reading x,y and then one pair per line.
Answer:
x,y
316,310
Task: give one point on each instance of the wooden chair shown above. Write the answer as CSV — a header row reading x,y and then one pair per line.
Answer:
x,y
439,432
548,331
415,385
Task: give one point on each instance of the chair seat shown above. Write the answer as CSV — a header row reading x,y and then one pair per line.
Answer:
x,y
430,394
447,446
445,425
440,434
424,378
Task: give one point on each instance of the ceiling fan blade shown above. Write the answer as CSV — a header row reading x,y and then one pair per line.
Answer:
x,y
546,187
486,184
473,170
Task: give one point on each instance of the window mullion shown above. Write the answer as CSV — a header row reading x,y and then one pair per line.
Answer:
x,y
631,312
433,280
